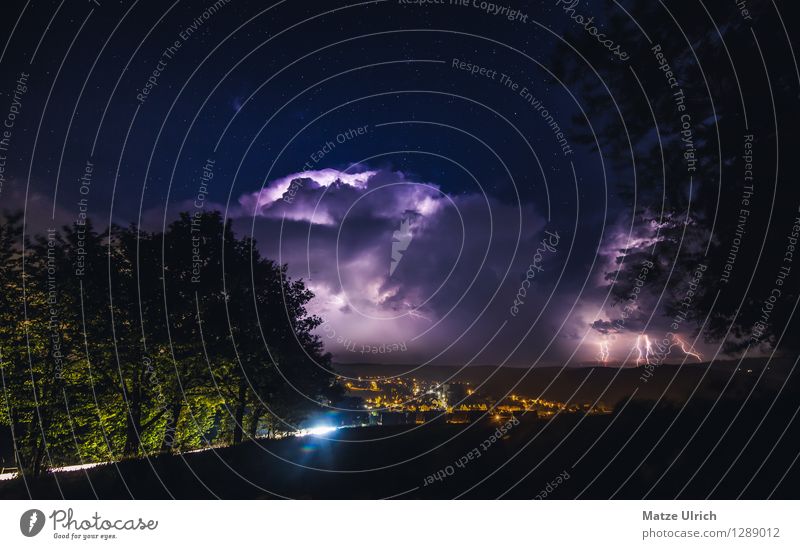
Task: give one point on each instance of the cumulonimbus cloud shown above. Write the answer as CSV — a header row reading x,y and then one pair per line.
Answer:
x,y
335,230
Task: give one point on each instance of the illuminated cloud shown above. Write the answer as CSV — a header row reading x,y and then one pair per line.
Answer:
x,y
336,230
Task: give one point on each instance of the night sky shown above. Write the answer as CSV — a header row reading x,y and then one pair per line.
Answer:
x,y
335,131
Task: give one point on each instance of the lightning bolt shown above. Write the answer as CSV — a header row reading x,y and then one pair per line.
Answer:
x,y
416,314
34,518
648,348
644,349
643,352
679,341
604,351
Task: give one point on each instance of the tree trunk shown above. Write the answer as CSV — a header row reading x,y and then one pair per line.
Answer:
x,y
38,459
238,416
256,417
171,426
37,445
133,424
133,420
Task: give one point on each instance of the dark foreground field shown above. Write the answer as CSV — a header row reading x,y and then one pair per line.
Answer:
x,y
596,457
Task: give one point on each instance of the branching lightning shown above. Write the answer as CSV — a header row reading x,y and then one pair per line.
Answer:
x,y
644,352
683,345
604,351
647,351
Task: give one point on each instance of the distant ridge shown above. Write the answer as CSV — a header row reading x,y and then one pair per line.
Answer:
x,y
606,384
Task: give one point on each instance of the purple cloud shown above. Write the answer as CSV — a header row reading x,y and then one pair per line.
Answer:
x,y
340,231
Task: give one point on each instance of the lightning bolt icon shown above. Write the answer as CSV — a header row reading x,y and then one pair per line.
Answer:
x,y
33,520
400,242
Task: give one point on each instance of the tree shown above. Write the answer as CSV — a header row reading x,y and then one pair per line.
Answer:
x,y
690,138
135,343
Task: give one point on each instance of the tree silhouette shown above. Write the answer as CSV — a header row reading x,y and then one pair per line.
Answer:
x,y
134,343
689,202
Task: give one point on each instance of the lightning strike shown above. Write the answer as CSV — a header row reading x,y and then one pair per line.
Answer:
x,y
604,351
645,351
683,345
